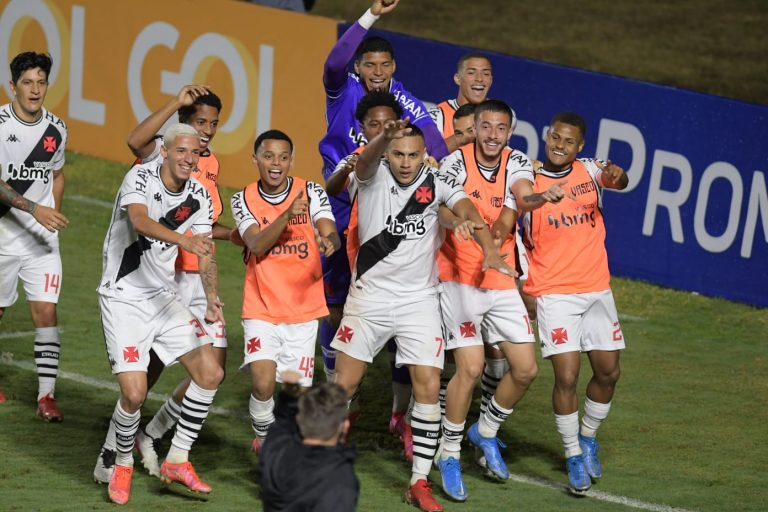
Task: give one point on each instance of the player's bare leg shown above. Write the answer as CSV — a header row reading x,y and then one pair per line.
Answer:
x,y
206,374
597,404
566,367
261,405
349,372
47,347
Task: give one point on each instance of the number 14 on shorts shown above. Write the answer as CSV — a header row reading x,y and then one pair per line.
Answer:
x,y
52,281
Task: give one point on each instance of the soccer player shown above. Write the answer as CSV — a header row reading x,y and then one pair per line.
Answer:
x,y
305,466
285,223
156,205
374,66
394,287
200,108
373,111
484,308
31,191
474,76
569,277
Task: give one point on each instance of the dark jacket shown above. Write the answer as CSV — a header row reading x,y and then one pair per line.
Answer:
x,y
297,477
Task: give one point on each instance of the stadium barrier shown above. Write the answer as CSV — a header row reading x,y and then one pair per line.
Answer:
x,y
695,213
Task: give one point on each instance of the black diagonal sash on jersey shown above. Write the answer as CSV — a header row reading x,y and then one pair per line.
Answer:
x,y
381,245
38,154
174,218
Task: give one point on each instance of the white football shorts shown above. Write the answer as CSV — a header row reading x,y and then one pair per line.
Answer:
x,y
578,322
192,295
39,273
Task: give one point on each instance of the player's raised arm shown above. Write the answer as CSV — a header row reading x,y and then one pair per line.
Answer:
x,y
464,209
141,140
531,200
335,69
369,160
49,218
339,180
612,176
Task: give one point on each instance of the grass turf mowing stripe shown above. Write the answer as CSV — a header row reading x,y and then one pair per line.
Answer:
x,y
7,359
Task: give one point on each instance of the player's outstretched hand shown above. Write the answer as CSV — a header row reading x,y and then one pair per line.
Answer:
x,y
298,206
612,173
379,7
214,312
324,244
189,93
49,218
396,129
199,245
494,260
466,230
556,193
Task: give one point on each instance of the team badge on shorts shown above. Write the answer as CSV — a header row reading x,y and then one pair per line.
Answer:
x,y
345,334
559,336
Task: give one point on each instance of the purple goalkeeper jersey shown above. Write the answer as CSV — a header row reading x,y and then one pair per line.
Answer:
x,y
343,91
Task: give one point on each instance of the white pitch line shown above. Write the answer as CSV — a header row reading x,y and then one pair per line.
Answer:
x,y
597,495
7,358
17,334
90,200
632,318
102,384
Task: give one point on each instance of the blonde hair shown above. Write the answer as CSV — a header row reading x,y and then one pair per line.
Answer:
x,y
177,129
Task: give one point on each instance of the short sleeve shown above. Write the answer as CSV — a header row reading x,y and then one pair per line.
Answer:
x,y
319,206
57,162
594,171
449,192
203,222
134,187
452,169
244,219
519,167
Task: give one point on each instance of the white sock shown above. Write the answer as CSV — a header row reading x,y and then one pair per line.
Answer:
x,y
126,425
451,443
262,415
425,425
594,414
164,420
568,428
493,371
491,420
194,410
47,346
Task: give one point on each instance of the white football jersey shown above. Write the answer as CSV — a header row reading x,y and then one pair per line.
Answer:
x,y
319,206
453,169
399,233
29,153
437,115
138,267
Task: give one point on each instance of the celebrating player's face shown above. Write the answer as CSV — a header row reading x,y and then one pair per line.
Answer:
x,y
405,157
30,92
182,157
206,122
464,125
375,70
564,141
474,79
273,159
373,122
492,131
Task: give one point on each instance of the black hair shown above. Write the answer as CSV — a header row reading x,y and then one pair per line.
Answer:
x,y
415,131
271,135
472,55
496,106
465,110
375,99
374,44
573,119
187,111
30,60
